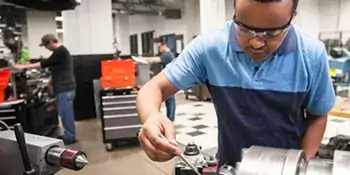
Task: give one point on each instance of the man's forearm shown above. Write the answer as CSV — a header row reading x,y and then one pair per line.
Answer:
x,y
314,135
152,59
149,100
151,96
33,66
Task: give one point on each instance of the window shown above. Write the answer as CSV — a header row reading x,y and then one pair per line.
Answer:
x,y
134,49
147,43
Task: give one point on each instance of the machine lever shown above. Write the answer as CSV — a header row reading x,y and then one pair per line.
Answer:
x,y
28,170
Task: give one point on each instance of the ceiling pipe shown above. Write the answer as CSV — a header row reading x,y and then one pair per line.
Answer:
x,y
128,2
136,12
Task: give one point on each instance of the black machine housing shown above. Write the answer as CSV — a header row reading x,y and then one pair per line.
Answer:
x,y
339,142
36,111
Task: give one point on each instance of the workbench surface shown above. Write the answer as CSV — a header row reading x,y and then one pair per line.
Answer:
x,y
337,111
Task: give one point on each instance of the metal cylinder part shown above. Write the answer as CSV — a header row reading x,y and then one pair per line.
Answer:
x,y
259,160
67,158
341,162
293,162
53,155
272,161
318,167
212,161
192,149
227,170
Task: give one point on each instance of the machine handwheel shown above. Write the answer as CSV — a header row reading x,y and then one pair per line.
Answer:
x,y
109,147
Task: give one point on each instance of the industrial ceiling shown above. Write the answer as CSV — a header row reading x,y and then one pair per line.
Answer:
x,y
43,5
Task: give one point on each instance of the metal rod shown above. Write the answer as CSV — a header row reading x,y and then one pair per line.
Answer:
x,y
194,169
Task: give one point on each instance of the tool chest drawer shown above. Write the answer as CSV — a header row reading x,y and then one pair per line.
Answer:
x,y
119,98
121,120
121,132
119,104
119,110
8,116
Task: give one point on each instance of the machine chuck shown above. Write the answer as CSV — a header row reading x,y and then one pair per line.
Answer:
x,y
67,158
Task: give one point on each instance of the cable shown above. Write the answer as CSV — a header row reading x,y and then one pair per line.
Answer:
x,y
3,126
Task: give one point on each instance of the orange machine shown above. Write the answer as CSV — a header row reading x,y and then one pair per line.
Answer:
x,y
4,81
118,74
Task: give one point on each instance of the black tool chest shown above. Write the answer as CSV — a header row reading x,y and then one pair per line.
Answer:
x,y
119,116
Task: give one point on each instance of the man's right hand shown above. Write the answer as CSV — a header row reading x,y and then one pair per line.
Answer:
x,y
156,148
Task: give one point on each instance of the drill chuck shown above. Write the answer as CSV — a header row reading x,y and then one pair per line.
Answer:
x,y
67,158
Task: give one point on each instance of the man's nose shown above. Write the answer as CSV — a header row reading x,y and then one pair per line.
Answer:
x,y
257,42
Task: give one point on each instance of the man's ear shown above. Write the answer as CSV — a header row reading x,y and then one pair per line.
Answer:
x,y
295,14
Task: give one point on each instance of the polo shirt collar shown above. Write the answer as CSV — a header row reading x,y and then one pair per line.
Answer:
x,y
288,45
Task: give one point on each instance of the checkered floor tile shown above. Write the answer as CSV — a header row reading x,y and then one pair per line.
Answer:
x,y
197,122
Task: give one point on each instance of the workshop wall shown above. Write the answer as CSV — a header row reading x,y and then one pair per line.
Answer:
x,y
25,35
188,25
88,30
313,16
334,16
158,24
308,17
121,33
38,24
229,9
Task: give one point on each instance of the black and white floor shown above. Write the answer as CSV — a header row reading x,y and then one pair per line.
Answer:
x,y
197,122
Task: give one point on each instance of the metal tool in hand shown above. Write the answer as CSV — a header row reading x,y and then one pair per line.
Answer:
x,y
194,169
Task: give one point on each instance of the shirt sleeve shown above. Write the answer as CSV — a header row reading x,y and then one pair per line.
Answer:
x,y
54,59
321,96
188,68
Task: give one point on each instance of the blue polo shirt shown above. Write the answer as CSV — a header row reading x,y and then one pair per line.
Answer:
x,y
257,103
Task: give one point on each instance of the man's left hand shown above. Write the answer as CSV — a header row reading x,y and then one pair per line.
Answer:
x,y
18,67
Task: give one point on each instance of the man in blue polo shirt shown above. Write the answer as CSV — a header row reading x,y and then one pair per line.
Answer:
x,y
268,79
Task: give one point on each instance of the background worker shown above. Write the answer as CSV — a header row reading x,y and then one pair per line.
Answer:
x,y
63,82
24,55
166,57
264,74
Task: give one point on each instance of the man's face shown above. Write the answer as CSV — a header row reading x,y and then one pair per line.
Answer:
x,y
261,27
162,47
50,46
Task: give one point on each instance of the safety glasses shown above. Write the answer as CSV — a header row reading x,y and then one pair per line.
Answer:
x,y
269,33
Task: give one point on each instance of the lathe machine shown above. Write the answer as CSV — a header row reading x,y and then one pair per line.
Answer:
x,y
258,160
339,67
28,154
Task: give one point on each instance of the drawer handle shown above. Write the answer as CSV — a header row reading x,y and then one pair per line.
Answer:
x,y
120,116
122,127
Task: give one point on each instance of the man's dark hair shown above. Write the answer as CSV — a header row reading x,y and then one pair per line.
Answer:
x,y
294,8
161,40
